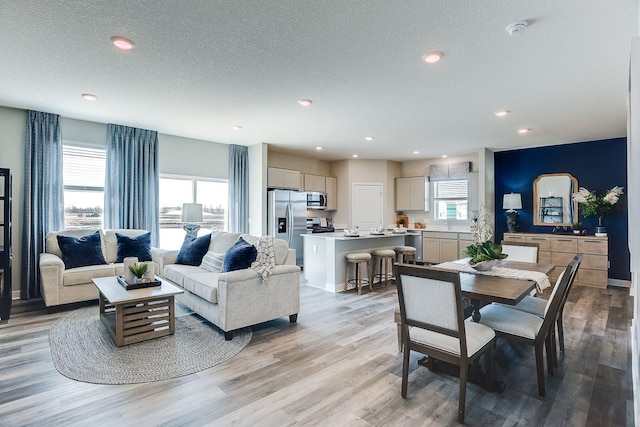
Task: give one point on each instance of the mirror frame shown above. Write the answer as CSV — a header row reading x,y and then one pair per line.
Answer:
x,y
536,217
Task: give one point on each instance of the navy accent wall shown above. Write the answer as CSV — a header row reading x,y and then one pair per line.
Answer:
x,y
597,165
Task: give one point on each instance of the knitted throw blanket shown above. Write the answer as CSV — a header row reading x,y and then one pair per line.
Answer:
x,y
541,279
266,260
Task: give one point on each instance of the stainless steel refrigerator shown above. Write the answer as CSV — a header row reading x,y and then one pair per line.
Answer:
x,y
287,218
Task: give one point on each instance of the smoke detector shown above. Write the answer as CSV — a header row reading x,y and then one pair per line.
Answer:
x,y
517,27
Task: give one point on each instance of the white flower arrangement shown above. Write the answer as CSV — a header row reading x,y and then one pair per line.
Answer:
x,y
596,205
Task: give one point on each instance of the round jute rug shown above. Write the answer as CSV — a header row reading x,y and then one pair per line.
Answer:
x,y
82,349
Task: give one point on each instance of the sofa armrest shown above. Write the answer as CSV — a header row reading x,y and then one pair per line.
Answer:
x,y
51,277
163,257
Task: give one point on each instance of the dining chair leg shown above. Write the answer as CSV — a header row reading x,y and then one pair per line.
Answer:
x,y
560,332
549,350
399,337
488,367
464,370
405,366
540,367
554,347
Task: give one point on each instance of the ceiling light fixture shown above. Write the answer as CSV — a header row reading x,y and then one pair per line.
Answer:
x,y
305,102
432,57
236,127
318,148
523,130
122,43
89,96
517,27
354,156
444,156
369,138
416,152
501,113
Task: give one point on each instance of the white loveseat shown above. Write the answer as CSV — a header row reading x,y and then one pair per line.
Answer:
x,y
63,286
240,298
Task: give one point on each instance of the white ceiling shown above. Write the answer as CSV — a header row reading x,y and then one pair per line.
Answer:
x,y
200,67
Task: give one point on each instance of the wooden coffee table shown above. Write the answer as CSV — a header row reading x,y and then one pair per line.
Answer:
x,y
139,314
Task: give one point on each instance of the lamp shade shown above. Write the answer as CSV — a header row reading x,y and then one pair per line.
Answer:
x,y
512,201
191,212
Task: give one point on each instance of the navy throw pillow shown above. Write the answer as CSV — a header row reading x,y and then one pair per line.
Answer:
x,y
80,252
239,256
139,246
193,250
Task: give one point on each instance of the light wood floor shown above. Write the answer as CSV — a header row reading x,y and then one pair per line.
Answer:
x,y
337,366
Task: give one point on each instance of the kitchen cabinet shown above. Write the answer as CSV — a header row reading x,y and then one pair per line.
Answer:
x,y
331,184
283,178
440,247
560,249
314,183
412,193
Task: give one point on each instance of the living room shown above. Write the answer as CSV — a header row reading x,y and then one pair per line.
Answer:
x,y
508,162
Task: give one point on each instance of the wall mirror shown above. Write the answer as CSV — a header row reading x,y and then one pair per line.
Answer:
x,y
552,201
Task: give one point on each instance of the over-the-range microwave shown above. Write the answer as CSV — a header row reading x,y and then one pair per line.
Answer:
x,y
316,200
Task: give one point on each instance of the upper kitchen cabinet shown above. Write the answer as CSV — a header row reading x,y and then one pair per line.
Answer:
x,y
331,185
412,193
283,178
314,183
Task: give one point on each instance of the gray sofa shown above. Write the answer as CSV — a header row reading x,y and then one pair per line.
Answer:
x,y
63,286
236,299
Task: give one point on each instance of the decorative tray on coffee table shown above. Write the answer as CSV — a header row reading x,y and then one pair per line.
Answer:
x,y
129,286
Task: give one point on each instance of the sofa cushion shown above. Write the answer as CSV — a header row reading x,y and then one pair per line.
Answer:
x,y
51,240
81,251
177,272
193,250
280,247
239,256
111,241
83,275
221,241
204,284
138,246
212,262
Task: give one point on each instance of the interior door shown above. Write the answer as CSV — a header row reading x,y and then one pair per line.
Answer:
x,y
367,206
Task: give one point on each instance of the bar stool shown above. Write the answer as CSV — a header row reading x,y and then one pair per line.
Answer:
x,y
383,257
360,260
405,254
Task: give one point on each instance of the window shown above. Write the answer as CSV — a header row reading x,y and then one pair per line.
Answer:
x,y
450,199
176,190
83,176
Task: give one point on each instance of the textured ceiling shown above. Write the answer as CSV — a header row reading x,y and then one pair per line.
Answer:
x,y
200,67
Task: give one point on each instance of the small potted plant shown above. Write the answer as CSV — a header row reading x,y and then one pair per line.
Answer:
x,y
484,255
139,269
577,227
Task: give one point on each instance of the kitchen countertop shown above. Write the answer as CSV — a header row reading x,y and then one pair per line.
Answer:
x,y
339,235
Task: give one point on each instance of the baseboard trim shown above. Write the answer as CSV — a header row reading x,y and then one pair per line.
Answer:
x,y
619,283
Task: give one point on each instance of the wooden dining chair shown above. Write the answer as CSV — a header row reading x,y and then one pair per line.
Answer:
x,y
432,322
538,306
521,251
528,328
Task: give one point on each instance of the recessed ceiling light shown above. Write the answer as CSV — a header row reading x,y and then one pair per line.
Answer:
x,y
501,113
517,27
89,96
305,102
318,148
444,156
236,127
524,130
122,43
354,156
416,152
369,138
432,57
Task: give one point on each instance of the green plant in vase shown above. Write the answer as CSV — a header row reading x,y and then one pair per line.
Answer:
x,y
598,205
139,269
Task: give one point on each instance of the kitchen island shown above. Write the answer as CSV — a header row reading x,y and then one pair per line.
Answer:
x,y
324,255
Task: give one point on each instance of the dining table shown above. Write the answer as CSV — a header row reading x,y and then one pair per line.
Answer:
x,y
482,288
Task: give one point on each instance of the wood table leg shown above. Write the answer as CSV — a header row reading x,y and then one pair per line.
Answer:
x,y
172,316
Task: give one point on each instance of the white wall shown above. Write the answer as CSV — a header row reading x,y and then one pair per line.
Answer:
x,y
258,189
277,159
12,127
186,156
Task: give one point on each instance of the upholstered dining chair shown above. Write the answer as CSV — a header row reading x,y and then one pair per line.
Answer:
x,y
521,251
432,321
538,306
530,329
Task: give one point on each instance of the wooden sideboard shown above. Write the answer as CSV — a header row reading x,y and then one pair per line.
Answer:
x,y
559,249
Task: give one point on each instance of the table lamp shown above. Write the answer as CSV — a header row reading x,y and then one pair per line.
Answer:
x,y
511,202
191,213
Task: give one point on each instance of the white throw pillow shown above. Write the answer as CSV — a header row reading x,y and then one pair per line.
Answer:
x,y
212,261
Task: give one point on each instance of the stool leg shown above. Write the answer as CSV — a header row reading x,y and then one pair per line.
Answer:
x,y
369,281
346,277
386,272
359,277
